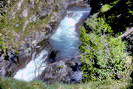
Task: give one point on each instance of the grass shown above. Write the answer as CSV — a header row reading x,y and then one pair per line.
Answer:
x,y
9,83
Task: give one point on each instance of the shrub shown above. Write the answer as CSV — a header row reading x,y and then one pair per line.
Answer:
x,y
102,54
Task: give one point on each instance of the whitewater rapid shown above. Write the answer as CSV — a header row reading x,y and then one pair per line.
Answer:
x,y
65,40
34,68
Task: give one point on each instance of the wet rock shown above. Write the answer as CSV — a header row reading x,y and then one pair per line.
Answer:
x,y
52,56
8,63
76,76
28,44
61,71
25,13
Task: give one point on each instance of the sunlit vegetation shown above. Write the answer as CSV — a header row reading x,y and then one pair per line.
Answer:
x,y
103,55
9,83
106,63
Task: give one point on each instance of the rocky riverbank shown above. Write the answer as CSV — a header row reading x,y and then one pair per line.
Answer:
x,y
33,22
26,26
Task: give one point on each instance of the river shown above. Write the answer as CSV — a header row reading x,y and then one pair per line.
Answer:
x,y
65,40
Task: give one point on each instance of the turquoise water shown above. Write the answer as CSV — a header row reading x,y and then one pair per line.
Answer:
x,y
65,40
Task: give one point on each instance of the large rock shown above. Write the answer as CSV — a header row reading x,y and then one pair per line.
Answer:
x,y
66,71
29,38
8,63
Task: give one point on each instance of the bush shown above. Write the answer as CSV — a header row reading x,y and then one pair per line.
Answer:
x,y
103,55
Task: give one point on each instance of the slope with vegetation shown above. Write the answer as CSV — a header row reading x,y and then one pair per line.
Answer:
x,y
107,54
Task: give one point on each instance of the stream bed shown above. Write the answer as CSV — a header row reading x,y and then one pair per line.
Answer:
x,y
65,40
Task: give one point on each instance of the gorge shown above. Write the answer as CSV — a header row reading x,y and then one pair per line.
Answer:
x,y
65,40
66,44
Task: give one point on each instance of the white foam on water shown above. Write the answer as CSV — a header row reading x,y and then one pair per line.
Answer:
x,y
33,69
66,38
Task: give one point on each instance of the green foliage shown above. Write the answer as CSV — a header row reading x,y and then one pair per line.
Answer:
x,y
3,22
98,25
106,8
9,83
103,55
119,16
2,43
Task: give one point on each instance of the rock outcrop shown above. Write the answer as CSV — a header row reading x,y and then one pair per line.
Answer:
x,y
66,71
31,23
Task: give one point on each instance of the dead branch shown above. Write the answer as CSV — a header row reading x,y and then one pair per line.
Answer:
x,y
128,32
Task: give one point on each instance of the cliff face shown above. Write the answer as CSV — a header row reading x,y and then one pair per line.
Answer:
x,y
25,26
30,21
